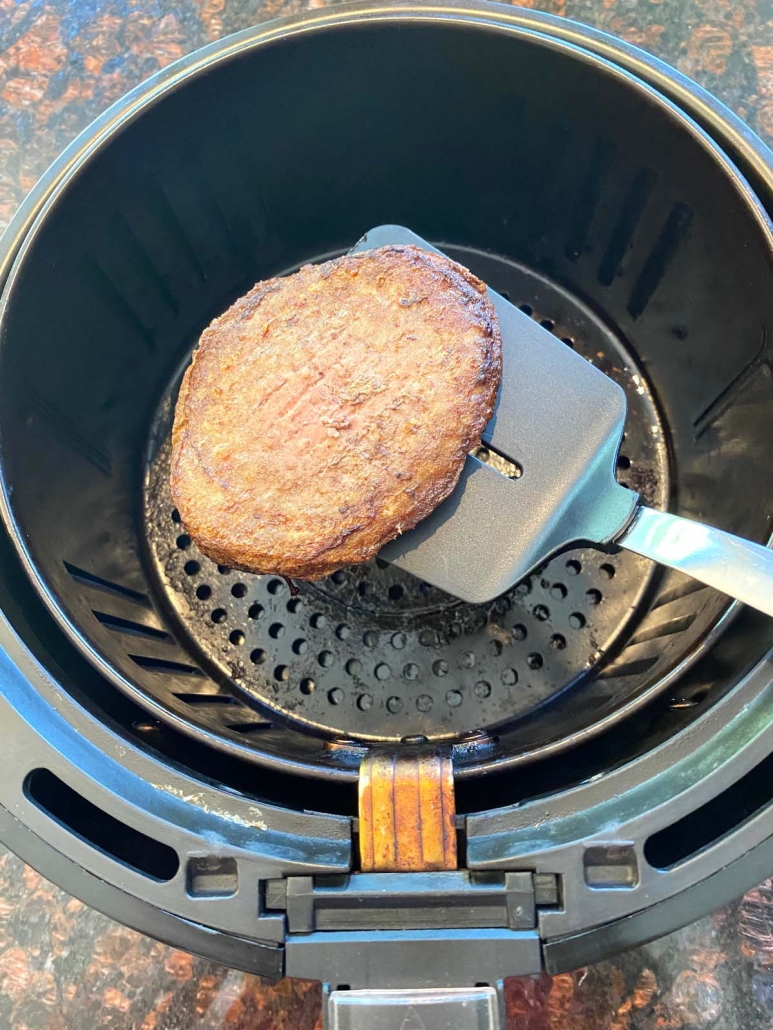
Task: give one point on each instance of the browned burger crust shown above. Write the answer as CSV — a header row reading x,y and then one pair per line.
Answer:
x,y
328,411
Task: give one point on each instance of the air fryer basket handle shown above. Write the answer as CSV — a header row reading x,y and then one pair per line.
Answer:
x,y
478,1008
737,567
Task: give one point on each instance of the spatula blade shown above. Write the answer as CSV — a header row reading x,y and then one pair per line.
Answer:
x,y
561,420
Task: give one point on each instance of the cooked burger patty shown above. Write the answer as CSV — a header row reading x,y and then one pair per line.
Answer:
x,y
329,411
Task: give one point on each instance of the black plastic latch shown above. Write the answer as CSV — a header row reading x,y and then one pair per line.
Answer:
x,y
408,901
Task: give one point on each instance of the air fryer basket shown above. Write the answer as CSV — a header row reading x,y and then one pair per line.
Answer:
x,y
651,261
173,725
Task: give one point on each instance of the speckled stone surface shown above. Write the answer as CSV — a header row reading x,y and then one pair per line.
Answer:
x,y
64,966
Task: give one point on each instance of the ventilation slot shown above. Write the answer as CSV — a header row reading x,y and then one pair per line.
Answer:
x,y
68,432
249,727
88,579
207,699
136,629
665,629
162,665
677,593
109,835
162,208
590,194
661,256
729,395
621,237
142,268
112,297
636,668
726,812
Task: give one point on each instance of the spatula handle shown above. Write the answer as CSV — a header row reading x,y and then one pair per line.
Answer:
x,y
737,567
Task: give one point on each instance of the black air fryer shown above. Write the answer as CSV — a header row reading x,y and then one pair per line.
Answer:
x,y
181,742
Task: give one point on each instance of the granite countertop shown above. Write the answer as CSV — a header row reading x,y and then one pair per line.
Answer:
x,y
65,966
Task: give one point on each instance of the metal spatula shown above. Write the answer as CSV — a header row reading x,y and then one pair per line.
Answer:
x,y
561,422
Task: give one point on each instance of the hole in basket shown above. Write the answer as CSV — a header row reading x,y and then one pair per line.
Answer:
x,y
308,686
577,620
623,461
224,569
541,612
326,659
535,660
593,596
509,677
558,642
354,667
281,673
255,611
607,571
527,309
383,671
275,586
239,589
339,577
98,828
258,656
519,632
183,541
300,646
237,638
203,592
176,516
192,567
276,630
335,696
396,591
573,567
568,341
548,323
394,705
219,615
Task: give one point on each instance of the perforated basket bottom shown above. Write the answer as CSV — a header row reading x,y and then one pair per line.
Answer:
x,y
372,653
